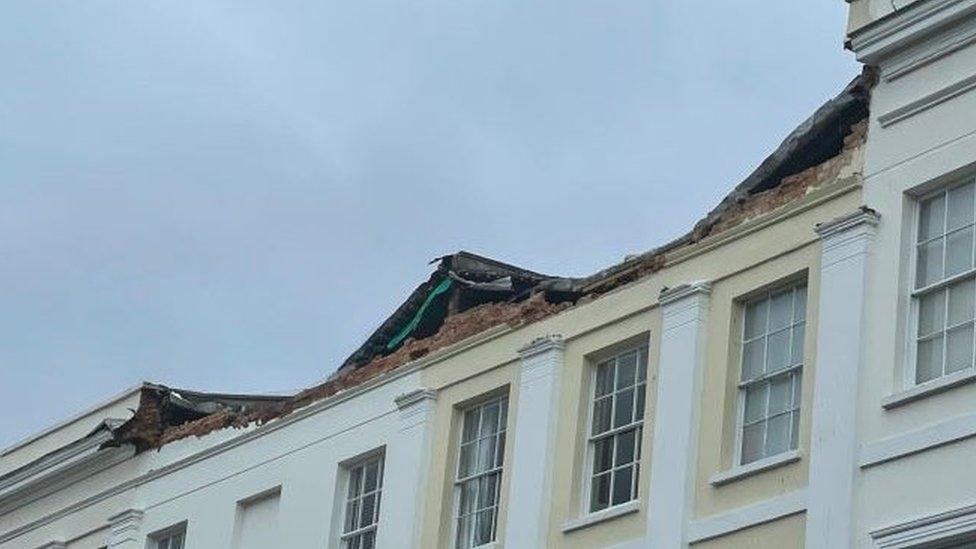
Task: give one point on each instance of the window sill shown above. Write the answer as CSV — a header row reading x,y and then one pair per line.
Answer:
x,y
600,516
930,388
742,471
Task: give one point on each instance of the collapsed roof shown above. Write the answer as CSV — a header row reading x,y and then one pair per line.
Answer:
x,y
468,294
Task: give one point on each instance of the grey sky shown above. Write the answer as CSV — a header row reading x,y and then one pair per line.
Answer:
x,y
230,195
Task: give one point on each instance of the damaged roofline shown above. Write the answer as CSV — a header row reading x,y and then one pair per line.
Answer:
x,y
468,294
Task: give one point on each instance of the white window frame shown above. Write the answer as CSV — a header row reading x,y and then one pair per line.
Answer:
x,y
346,537
587,488
500,470
915,294
794,369
163,538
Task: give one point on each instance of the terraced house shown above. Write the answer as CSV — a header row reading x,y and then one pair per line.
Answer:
x,y
796,371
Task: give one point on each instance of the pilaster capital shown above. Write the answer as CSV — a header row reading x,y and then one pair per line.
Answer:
x,y
863,218
124,527
669,296
415,397
543,344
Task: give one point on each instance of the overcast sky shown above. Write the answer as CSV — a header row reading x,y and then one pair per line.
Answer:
x,y
230,195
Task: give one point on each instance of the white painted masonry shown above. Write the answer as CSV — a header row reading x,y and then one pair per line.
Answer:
x,y
685,314
406,461
841,350
534,442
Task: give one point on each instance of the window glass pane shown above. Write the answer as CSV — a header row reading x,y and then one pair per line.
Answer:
x,y
625,448
959,349
800,304
366,514
929,263
484,527
464,531
489,419
795,439
962,302
755,319
642,365
931,218
931,313
778,351
369,540
352,515
468,460
639,410
778,434
959,252
796,353
623,482
624,412
469,497
604,379
753,357
929,363
603,455
600,495
756,402
601,415
752,442
500,449
470,431
626,370
960,206
372,476
355,482
780,394
487,491
781,310
486,453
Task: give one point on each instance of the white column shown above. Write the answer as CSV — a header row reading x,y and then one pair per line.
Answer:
x,y
405,472
675,420
124,530
846,245
534,440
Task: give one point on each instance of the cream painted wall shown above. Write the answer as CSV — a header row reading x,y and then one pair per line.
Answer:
x,y
629,316
720,393
785,533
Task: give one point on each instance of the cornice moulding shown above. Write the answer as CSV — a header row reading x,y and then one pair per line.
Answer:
x,y
890,34
863,216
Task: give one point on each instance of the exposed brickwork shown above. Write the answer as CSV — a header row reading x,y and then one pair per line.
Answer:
x,y
147,428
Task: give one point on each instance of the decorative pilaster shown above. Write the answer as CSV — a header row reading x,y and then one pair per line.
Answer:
x,y
405,475
534,440
124,530
676,418
846,247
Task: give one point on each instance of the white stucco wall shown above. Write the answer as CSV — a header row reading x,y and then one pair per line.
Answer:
x,y
202,481
922,134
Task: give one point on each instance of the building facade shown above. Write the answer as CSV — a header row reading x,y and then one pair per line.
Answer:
x,y
794,372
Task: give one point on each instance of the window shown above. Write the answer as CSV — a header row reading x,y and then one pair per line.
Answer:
x,y
771,366
363,504
172,539
479,473
617,419
945,284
